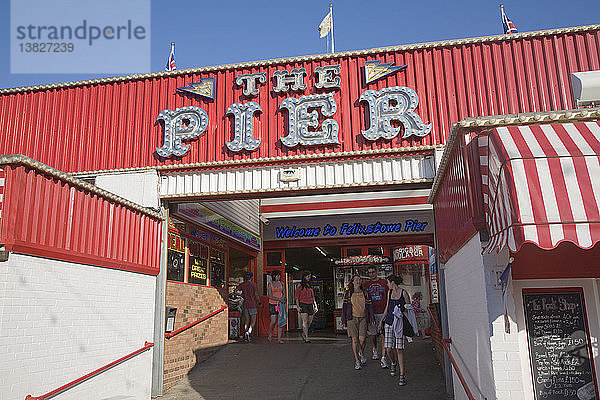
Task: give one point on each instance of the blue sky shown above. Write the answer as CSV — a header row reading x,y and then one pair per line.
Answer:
x,y
222,32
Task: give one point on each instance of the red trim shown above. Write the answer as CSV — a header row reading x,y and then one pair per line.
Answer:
x,y
424,239
532,262
445,343
186,198
147,345
188,326
334,205
587,325
40,250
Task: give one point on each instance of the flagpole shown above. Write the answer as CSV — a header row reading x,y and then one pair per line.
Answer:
x,y
331,11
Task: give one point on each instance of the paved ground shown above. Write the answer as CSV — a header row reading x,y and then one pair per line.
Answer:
x,y
297,370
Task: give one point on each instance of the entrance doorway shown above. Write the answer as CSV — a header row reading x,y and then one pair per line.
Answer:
x,y
332,267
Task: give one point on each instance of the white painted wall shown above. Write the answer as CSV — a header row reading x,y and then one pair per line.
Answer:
x,y
506,357
138,187
59,321
468,321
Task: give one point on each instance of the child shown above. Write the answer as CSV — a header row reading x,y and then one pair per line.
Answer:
x,y
419,312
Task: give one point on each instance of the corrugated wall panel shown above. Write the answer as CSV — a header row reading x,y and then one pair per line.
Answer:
x,y
243,212
47,216
341,174
112,124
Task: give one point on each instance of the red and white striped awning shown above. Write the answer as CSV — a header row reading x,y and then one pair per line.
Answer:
x,y
541,184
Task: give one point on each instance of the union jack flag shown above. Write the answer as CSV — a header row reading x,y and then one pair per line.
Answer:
x,y
508,25
171,62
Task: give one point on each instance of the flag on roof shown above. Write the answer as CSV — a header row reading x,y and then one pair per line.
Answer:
x,y
171,62
508,25
325,25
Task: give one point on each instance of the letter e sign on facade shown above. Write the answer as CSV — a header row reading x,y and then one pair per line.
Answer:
x,y
311,119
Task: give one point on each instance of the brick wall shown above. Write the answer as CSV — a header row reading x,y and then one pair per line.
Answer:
x,y
185,350
60,321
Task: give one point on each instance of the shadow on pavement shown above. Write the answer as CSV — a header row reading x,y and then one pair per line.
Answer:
x,y
297,370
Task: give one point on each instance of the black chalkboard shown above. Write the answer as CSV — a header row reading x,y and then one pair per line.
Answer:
x,y
558,345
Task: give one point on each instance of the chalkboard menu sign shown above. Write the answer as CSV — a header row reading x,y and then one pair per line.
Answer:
x,y
558,344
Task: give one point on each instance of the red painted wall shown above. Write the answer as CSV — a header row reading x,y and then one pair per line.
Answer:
x,y
111,125
45,216
458,205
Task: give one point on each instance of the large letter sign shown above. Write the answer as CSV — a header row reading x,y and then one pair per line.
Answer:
x,y
300,120
248,82
393,104
294,78
243,126
183,123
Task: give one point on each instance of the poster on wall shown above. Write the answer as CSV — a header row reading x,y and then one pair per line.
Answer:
x,y
559,347
217,274
198,273
175,257
217,268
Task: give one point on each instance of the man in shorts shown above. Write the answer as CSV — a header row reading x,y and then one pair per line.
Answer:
x,y
377,289
250,294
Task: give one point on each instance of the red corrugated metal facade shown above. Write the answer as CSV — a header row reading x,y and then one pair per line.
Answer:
x,y
458,205
46,213
112,125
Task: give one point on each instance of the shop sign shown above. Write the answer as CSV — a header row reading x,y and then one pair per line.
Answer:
x,y
312,119
411,253
200,234
197,271
204,216
360,260
176,243
433,283
177,225
349,229
175,257
353,226
289,175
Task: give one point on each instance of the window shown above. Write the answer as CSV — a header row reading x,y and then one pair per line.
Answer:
x,y
217,268
175,257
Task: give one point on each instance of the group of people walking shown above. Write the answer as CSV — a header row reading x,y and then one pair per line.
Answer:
x,y
304,297
372,309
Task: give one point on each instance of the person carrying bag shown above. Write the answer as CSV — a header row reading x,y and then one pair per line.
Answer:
x,y
394,325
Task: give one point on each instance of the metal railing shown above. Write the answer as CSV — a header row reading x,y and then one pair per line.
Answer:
x,y
188,326
445,343
147,345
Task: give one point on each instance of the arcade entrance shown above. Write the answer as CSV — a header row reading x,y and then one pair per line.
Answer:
x,y
332,267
